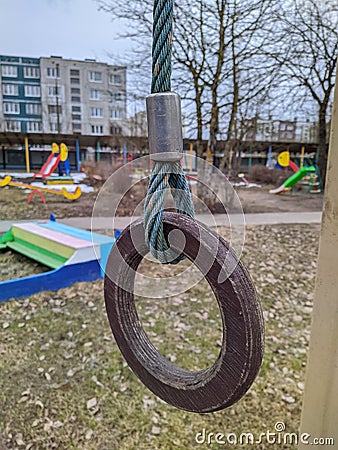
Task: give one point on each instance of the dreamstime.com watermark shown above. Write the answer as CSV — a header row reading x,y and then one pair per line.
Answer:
x,y
279,436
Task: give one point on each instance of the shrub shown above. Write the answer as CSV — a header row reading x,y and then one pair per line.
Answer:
x,y
264,175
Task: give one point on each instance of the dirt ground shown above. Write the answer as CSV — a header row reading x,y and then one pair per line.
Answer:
x,y
259,200
13,202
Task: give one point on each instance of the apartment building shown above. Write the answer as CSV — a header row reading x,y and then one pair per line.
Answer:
x,y
20,94
281,131
57,95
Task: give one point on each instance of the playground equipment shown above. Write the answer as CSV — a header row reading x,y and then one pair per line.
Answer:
x,y
294,179
51,163
283,160
7,181
57,159
72,254
49,166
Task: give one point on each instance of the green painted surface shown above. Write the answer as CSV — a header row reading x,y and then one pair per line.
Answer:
x,y
298,176
43,242
7,237
36,253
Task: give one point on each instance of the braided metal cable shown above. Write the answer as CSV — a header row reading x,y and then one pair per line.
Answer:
x,y
162,45
164,175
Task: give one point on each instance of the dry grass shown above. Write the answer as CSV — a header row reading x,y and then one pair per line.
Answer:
x,y
65,385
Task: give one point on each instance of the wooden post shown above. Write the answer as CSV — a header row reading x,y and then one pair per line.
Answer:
x,y
28,166
191,150
302,152
320,404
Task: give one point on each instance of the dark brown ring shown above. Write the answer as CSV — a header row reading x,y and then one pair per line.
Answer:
x,y
227,380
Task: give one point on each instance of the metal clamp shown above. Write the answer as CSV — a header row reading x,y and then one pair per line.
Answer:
x,y
165,126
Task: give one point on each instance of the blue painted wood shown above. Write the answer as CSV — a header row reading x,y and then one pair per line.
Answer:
x,y
63,276
49,281
77,154
79,233
106,242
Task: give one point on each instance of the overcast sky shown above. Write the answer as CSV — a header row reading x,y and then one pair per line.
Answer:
x,y
70,28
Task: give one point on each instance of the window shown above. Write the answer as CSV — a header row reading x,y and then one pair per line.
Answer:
x,y
97,129
53,127
95,94
116,96
95,77
76,116
96,112
31,72
53,72
115,79
116,130
12,125
32,91
11,108
33,108
115,114
10,89
76,108
75,81
54,109
74,73
34,127
76,99
9,71
75,91
76,127
53,91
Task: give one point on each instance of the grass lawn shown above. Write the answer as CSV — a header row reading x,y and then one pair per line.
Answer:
x,y
65,385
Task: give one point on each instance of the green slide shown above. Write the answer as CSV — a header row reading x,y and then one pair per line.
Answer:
x,y
291,181
297,176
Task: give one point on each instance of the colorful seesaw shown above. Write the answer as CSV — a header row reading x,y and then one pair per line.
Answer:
x,y
72,254
7,181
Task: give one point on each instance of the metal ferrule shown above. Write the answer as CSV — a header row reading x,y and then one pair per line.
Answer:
x,y
165,126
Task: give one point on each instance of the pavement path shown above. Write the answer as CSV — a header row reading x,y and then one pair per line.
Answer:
x,y
107,223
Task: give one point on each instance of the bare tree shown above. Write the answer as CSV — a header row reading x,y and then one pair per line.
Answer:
x,y
307,52
191,57
251,74
212,41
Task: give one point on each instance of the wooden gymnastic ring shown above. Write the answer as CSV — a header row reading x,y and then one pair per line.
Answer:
x,y
237,365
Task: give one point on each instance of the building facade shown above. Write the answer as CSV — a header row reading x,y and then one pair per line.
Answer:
x,y
56,95
20,94
280,131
